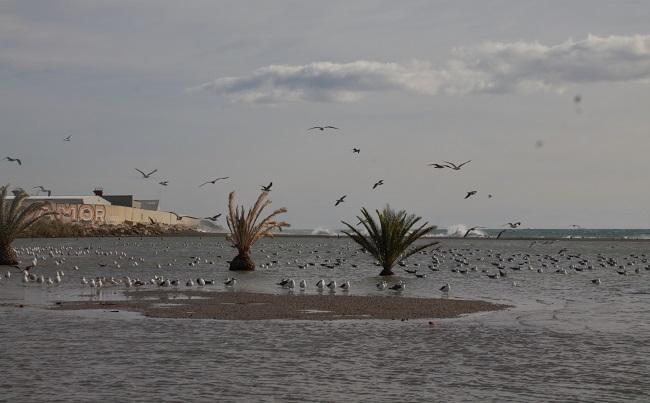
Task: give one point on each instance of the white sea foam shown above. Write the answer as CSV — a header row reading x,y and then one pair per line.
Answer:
x,y
459,230
323,231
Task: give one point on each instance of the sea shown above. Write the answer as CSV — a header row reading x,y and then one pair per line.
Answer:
x,y
564,339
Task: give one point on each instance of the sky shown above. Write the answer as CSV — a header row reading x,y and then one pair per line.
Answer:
x,y
205,89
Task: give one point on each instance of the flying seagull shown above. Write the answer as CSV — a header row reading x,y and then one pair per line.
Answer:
x,y
146,176
180,217
470,230
67,138
322,128
213,181
213,218
439,166
501,233
378,183
267,188
42,189
164,183
471,193
18,161
340,200
513,224
456,167
356,150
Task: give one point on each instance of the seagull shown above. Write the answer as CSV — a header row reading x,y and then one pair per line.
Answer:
x,y
320,284
340,200
398,287
230,282
501,233
322,128
267,188
439,166
180,217
345,285
596,281
146,176
332,285
42,189
378,183
445,288
470,230
284,282
163,183
213,181
67,138
381,286
456,167
356,150
18,161
471,193
513,224
303,284
213,218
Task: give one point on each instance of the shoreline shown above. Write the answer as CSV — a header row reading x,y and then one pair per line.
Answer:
x,y
226,305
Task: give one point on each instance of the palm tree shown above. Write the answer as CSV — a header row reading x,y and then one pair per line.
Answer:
x,y
389,239
245,229
14,219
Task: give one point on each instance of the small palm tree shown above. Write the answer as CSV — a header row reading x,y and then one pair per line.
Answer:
x,y
389,239
245,229
14,219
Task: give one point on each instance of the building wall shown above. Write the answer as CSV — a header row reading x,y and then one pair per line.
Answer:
x,y
109,214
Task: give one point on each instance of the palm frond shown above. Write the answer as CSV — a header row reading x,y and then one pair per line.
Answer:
x,y
246,227
15,217
388,239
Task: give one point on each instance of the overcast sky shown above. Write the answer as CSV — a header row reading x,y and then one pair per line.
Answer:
x,y
202,89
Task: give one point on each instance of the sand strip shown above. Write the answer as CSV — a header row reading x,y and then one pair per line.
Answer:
x,y
254,306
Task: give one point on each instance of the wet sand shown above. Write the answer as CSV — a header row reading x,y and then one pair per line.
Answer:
x,y
256,306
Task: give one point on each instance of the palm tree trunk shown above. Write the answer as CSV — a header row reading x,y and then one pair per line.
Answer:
x,y
242,262
7,255
388,271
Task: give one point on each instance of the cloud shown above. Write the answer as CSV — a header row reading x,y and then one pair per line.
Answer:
x,y
492,67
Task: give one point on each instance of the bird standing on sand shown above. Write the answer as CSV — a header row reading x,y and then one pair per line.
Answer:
x,y
322,128
378,183
471,193
445,288
267,188
213,181
146,176
340,200
16,160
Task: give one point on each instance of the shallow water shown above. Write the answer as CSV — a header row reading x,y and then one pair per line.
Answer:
x,y
565,340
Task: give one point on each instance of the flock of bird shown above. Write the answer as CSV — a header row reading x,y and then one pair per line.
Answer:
x,y
47,263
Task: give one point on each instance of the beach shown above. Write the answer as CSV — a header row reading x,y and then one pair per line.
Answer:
x,y
258,306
